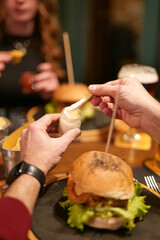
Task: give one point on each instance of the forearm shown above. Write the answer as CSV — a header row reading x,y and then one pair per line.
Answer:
x,y
15,219
151,120
26,189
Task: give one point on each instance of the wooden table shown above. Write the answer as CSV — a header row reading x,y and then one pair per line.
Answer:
x,y
135,158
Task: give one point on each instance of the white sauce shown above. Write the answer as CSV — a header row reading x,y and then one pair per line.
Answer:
x,y
69,120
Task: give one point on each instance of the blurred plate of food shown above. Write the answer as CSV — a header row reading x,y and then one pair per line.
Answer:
x,y
5,124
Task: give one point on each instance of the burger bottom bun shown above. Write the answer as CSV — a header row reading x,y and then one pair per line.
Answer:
x,y
112,223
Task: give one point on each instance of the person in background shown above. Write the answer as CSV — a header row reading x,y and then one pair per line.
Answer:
x,y
33,26
43,153
136,106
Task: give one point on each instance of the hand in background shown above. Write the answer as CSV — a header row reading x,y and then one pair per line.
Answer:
x,y
46,82
4,58
39,149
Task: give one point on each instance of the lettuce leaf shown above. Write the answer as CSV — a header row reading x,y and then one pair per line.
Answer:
x,y
79,214
50,107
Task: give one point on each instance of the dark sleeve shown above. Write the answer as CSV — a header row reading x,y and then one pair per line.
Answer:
x,y
15,219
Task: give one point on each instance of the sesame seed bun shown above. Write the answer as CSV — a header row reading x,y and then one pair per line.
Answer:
x,y
112,178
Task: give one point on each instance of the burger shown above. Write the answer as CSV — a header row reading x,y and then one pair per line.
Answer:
x,y
70,93
101,193
67,94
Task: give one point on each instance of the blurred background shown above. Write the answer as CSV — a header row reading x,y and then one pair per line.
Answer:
x,y
105,34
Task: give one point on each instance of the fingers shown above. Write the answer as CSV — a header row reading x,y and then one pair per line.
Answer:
x,y
45,121
2,66
23,133
116,82
103,90
103,105
46,82
107,111
96,100
109,88
44,67
45,75
5,57
69,137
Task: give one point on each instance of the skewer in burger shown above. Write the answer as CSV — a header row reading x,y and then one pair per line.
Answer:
x,y
102,194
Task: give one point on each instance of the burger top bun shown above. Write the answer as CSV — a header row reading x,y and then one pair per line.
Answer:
x,y
112,178
70,92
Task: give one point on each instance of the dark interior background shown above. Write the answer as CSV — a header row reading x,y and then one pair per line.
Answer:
x,y
105,34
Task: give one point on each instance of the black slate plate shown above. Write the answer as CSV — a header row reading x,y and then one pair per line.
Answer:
x,y
49,219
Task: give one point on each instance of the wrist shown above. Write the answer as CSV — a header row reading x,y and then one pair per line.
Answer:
x,y
151,119
25,168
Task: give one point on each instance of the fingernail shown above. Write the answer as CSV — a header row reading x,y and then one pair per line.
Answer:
x,y
78,131
38,68
92,87
31,80
33,86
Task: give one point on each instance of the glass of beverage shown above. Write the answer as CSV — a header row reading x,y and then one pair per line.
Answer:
x,y
148,76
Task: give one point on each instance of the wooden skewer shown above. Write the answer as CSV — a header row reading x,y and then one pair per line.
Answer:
x,y
50,178
68,57
80,103
111,125
148,189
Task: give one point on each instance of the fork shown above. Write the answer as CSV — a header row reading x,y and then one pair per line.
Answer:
x,y
151,182
148,188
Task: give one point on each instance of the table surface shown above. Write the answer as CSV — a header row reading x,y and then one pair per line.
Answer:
x,y
135,158
56,225
49,220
